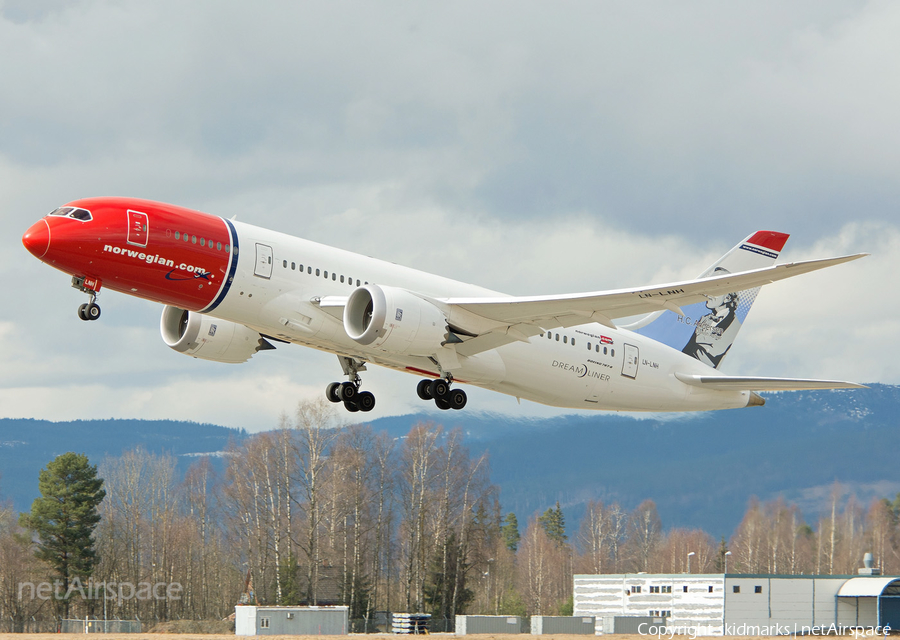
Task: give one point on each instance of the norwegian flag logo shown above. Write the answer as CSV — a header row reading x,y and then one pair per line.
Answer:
x,y
605,340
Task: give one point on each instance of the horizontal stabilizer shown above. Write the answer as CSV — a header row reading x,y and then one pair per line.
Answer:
x,y
747,383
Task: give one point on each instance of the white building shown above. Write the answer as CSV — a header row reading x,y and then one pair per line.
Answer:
x,y
737,604
252,620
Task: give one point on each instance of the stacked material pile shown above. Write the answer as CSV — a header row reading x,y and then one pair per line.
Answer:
x,y
410,622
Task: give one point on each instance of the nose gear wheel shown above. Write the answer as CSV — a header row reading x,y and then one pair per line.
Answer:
x,y
89,310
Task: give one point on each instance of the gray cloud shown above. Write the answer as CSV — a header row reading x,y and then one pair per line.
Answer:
x,y
564,147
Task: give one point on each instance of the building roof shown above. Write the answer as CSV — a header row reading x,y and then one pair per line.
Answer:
x,y
869,586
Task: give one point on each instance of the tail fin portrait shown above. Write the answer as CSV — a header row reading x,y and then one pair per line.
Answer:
x,y
707,330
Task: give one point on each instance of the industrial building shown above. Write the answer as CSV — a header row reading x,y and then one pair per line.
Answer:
x,y
737,604
252,620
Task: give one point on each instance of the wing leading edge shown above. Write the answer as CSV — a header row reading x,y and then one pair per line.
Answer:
x,y
547,312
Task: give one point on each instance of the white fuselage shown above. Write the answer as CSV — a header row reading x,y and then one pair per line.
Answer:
x,y
590,366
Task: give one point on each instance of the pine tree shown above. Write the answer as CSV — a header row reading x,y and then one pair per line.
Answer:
x,y
510,531
438,591
64,518
554,524
720,556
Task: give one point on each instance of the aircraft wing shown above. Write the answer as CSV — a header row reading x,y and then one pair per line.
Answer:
x,y
744,383
491,322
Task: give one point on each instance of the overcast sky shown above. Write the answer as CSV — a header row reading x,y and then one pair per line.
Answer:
x,y
530,147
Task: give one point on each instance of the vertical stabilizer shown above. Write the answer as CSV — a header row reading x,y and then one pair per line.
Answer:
x,y
707,330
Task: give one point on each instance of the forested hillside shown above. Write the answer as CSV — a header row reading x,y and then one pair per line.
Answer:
x,y
434,518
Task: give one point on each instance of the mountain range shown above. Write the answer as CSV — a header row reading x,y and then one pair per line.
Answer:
x,y
701,469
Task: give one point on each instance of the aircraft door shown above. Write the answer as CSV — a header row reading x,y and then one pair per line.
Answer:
x,y
137,228
630,366
263,267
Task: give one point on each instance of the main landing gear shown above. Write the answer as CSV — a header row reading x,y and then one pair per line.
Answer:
x,y
439,390
91,286
348,392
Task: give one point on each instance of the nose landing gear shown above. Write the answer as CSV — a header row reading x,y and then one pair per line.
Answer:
x,y
91,286
348,392
439,390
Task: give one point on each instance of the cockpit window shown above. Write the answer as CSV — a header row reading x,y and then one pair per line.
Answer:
x,y
72,212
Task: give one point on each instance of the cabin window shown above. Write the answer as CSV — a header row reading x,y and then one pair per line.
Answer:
x,y
284,264
333,276
218,246
227,248
573,342
757,589
177,236
565,339
736,588
557,337
589,346
342,279
293,266
612,352
309,270
325,275
193,239
317,272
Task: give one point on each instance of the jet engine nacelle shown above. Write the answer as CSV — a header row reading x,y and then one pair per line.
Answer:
x,y
394,320
201,336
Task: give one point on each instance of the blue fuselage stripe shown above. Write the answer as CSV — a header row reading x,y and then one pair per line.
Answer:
x,y
235,253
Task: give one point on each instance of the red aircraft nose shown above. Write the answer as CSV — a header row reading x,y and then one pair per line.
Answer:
x,y
37,238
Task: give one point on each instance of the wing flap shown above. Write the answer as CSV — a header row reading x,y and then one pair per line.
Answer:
x,y
747,383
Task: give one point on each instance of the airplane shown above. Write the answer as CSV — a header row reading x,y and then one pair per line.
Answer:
x,y
230,290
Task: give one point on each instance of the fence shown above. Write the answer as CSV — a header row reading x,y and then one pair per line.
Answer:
x,y
100,626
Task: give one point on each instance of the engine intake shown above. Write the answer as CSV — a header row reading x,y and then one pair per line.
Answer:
x,y
394,320
201,336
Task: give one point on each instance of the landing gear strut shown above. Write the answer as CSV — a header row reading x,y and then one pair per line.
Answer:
x,y
439,390
348,392
91,286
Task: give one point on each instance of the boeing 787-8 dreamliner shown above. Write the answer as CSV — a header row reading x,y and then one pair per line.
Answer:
x,y
231,289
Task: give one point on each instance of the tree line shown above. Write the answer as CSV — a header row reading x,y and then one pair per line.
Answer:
x,y
315,513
